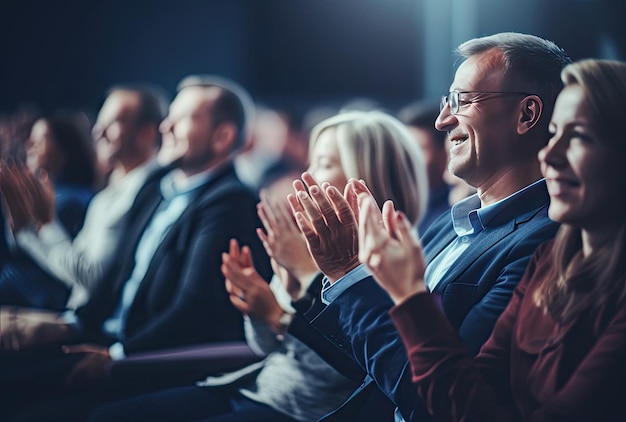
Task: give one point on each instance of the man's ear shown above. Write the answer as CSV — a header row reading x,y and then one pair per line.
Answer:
x,y
530,112
224,138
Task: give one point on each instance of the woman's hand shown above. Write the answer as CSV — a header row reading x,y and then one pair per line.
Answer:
x,y
282,239
248,291
388,246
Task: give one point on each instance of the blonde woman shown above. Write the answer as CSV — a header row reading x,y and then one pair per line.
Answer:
x,y
294,383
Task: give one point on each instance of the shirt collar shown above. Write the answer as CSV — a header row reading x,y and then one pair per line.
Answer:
x,y
176,183
469,218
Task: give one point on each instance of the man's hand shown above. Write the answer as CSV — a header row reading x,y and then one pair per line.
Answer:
x,y
91,370
389,248
328,224
249,292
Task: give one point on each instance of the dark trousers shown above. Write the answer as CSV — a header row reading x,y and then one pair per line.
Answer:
x,y
189,404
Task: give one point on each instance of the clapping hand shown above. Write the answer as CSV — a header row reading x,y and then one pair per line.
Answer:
x,y
29,198
248,291
389,248
283,241
329,226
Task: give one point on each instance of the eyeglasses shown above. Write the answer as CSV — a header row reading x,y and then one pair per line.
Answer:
x,y
453,99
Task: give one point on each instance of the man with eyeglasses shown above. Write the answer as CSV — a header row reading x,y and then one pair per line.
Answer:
x,y
496,116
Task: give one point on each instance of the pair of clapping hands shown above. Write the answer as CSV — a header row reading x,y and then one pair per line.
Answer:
x,y
29,198
340,231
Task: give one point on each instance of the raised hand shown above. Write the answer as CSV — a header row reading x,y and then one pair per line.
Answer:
x,y
29,198
328,224
248,291
18,204
389,248
283,241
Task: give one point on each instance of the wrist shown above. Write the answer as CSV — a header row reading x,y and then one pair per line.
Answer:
x,y
281,322
418,288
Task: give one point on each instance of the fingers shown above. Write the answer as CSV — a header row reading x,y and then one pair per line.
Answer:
x,y
321,201
266,214
233,250
389,218
237,296
341,207
233,272
246,257
372,233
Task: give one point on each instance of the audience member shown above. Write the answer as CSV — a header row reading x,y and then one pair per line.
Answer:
x,y
165,288
60,147
293,383
556,353
420,119
57,184
496,116
126,135
277,148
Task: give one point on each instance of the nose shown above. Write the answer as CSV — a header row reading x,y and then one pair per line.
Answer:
x,y
553,154
446,120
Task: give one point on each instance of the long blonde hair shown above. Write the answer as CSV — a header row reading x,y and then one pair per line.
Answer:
x,y
578,283
379,149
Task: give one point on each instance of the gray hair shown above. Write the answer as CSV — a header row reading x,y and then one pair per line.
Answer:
x,y
532,63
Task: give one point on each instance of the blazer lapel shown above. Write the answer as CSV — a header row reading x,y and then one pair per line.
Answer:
x,y
487,239
443,238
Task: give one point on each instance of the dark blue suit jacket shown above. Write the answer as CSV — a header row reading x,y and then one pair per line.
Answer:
x,y
182,299
473,293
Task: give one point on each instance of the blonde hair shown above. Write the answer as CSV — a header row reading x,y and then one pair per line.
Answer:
x,y
378,148
577,283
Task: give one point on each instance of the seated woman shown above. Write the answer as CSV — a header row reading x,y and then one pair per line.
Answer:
x,y
62,148
57,182
293,383
557,352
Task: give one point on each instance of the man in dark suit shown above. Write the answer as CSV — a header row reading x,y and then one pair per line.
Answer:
x,y
496,116
166,288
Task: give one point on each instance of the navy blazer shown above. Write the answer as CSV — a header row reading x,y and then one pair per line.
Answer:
x,y
473,293
182,299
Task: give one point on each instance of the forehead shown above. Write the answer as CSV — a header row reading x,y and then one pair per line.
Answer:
x,y
194,99
326,142
480,72
571,105
119,104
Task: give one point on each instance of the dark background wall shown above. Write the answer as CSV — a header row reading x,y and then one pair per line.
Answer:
x,y
66,53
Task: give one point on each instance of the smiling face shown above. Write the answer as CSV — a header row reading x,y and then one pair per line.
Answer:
x,y
480,131
580,169
325,161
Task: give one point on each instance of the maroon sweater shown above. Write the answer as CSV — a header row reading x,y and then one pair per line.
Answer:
x,y
530,369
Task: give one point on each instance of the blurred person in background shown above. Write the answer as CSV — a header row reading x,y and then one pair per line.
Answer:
x,y
165,288
127,138
420,119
